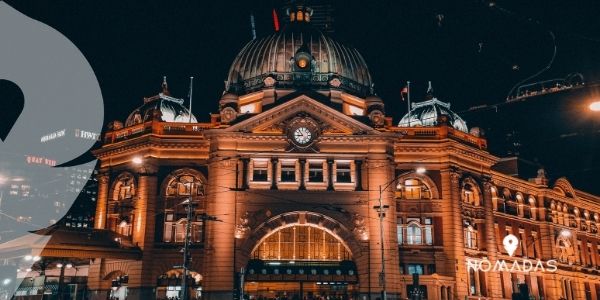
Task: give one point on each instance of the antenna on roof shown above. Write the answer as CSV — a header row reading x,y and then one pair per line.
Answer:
x,y
165,86
253,26
190,96
429,91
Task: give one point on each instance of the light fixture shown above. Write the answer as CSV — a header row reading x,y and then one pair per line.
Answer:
x,y
123,224
6,281
420,170
595,106
137,160
69,266
59,265
28,257
36,258
565,233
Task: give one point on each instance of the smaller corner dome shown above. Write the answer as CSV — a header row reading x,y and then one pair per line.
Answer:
x,y
427,113
169,109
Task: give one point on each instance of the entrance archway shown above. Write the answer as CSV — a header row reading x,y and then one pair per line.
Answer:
x,y
302,256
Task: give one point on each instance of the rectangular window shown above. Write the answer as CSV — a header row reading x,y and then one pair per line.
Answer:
x,y
315,172
415,269
400,229
428,231
288,171
260,170
343,172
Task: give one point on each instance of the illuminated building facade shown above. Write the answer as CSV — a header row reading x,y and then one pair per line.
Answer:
x,y
292,167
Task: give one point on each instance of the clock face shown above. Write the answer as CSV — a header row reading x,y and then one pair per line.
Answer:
x,y
302,135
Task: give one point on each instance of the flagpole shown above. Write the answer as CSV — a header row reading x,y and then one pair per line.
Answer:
x,y
191,89
408,97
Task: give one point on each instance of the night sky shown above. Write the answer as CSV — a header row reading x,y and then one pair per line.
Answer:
x,y
472,51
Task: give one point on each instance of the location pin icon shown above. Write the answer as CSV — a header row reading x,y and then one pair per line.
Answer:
x,y
510,243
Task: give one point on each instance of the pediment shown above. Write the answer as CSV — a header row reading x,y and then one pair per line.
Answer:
x,y
274,120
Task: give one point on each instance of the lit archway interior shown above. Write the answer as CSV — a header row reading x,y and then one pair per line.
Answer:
x,y
301,243
301,260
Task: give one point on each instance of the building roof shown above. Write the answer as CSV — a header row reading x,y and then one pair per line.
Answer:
x,y
427,113
275,54
163,106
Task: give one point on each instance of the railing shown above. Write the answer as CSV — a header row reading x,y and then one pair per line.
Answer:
x,y
440,132
159,128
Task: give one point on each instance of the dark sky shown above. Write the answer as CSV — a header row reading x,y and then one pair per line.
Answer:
x,y
470,55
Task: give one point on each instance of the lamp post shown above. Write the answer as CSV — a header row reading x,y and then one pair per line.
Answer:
x,y
381,211
186,245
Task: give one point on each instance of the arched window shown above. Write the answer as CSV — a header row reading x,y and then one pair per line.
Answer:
x,y
124,188
414,236
415,231
179,189
412,188
120,207
470,194
301,243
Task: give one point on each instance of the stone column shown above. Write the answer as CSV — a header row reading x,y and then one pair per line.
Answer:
x,y
494,288
142,280
453,231
358,164
102,202
380,173
301,175
330,174
245,162
218,260
145,206
274,173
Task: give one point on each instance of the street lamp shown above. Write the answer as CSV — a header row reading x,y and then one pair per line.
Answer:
x,y
381,210
137,160
595,106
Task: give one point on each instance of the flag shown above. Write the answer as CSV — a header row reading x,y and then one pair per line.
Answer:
x,y
403,92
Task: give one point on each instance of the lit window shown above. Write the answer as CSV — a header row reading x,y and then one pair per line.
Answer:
x,y
470,237
260,170
182,185
315,172
415,269
343,172
400,231
414,235
428,231
413,189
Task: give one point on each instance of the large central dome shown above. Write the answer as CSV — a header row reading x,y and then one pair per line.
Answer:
x,y
299,55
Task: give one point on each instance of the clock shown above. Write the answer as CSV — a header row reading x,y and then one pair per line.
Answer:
x,y
302,132
302,135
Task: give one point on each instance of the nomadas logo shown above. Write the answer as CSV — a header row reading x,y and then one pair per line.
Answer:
x,y
510,244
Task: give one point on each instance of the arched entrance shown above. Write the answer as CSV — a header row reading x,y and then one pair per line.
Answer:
x,y
300,259
168,285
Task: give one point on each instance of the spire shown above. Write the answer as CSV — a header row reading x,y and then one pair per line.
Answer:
x,y
165,86
429,94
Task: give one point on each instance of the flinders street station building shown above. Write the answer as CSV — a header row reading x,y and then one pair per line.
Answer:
x,y
301,187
